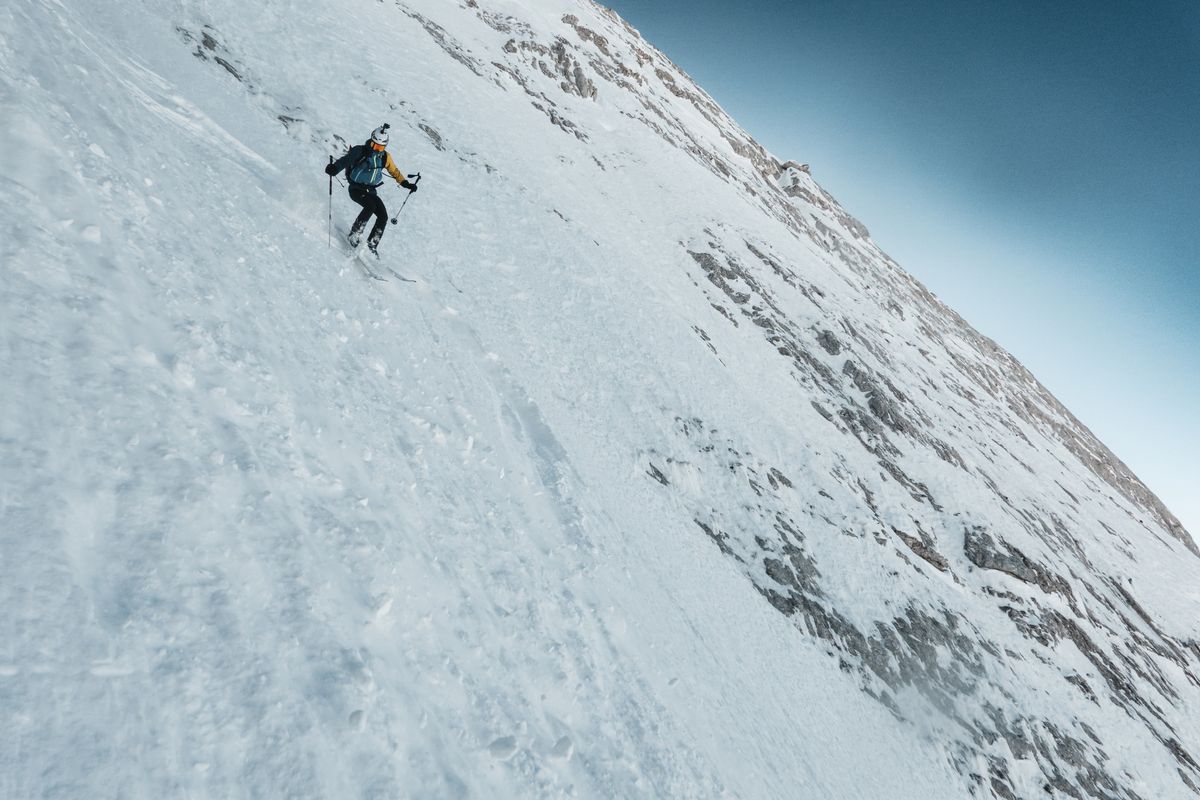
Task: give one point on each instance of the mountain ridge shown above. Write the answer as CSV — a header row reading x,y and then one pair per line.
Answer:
x,y
663,480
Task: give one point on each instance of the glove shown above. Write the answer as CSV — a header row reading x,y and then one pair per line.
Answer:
x,y
330,169
412,187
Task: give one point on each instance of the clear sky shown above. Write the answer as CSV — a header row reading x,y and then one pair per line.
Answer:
x,y
1036,164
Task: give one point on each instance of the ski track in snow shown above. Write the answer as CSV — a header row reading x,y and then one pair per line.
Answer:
x,y
271,528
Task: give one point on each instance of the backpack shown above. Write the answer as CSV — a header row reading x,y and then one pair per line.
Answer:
x,y
367,154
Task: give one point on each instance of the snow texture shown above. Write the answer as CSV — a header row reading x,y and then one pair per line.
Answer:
x,y
661,480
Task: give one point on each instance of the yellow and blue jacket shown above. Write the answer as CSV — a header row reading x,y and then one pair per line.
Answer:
x,y
364,166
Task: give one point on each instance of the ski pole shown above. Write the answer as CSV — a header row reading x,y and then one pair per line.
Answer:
x,y
329,227
415,180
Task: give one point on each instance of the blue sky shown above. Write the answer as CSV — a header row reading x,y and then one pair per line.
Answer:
x,y
1036,164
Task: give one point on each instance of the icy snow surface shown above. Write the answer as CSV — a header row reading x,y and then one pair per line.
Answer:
x,y
660,480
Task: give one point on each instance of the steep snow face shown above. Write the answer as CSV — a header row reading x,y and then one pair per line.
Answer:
x,y
661,479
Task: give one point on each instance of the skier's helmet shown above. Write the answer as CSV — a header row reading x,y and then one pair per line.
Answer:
x,y
380,135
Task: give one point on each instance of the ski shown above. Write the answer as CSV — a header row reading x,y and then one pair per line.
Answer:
x,y
357,254
399,276
367,269
357,257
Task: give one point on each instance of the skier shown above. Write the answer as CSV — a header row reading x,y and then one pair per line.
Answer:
x,y
364,165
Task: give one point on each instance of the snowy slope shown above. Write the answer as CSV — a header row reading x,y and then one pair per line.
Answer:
x,y
661,481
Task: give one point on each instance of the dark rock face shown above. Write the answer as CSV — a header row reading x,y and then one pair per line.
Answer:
x,y
829,342
958,668
924,549
983,551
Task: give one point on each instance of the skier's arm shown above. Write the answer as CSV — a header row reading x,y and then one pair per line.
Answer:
x,y
341,163
393,170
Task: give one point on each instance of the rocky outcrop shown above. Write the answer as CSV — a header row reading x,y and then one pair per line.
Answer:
x,y
984,552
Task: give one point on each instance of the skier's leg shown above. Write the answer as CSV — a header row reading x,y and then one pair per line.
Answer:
x,y
381,218
363,198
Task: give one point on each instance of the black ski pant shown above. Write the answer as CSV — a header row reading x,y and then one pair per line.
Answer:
x,y
371,203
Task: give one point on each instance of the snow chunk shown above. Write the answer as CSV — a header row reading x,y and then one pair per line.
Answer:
x,y
503,748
